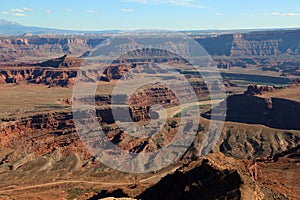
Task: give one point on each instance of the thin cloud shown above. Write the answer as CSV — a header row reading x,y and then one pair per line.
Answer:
x,y
91,11
17,10
27,9
126,10
286,14
19,14
185,3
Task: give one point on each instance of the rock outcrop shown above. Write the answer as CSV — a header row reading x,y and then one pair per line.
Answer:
x,y
38,75
214,177
254,89
48,143
253,44
36,46
272,112
241,50
139,104
64,62
242,141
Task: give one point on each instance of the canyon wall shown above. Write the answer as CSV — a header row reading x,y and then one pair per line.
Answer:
x,y
44,76
40,46
274,50
273,112
257,44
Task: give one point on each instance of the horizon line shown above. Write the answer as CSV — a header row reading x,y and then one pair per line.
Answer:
x,y
153,28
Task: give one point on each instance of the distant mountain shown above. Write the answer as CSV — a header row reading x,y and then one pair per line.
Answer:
x,y
4,22
8,28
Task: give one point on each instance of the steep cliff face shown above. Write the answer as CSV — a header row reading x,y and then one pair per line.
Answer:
x,y
288,40
40,46
219,45
139,103
240,141
63,62
254,89
243,47
214,177
38,76
54,72
45,133
27,128
34,138
48,143
272,112
197,181
269,50
257,44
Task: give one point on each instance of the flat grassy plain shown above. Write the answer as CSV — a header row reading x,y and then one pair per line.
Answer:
x,y
291,93
23,100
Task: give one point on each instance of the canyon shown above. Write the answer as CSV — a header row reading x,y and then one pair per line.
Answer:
x,y
270,50
43,156
48,143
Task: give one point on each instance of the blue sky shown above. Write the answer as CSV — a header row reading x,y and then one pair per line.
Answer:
x,y
163,14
